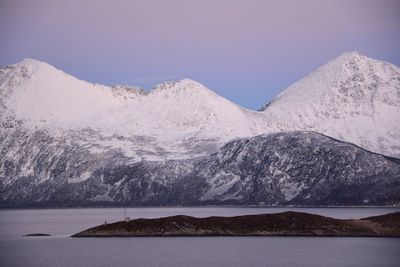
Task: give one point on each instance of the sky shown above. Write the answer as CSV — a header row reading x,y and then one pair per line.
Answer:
x,y
246,51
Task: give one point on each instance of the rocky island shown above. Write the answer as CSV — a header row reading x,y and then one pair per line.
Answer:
x,y
38,234
278,224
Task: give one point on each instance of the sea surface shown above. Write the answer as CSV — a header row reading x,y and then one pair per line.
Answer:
x,y
61,250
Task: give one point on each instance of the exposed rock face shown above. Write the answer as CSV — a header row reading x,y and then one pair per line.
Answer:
x,y
278,224
299,168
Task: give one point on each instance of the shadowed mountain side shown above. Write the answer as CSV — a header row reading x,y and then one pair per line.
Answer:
x,y
296,168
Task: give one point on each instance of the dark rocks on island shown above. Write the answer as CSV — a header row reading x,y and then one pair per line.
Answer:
x,y
278,224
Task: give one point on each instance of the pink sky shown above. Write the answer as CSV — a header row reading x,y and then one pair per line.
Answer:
x,y
247,51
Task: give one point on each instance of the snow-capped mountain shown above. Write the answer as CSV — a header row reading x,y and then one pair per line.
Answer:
x,y
51,99
352,98
178,119
73,142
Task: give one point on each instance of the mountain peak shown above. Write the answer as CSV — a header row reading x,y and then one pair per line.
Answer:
x,y
349,91
351,77
183,85
30,61
353,56
31,66
33,62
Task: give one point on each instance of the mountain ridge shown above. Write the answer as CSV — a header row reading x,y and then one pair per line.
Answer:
x,y
330,139
351,98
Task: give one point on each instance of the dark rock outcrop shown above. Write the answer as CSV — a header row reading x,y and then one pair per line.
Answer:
x,y
38,234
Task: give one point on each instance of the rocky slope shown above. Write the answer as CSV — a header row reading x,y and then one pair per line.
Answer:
x,y
297,168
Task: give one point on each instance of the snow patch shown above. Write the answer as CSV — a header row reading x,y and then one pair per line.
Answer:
x,y
83,177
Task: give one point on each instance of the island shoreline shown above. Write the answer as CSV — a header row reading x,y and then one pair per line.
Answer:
x,y
284,224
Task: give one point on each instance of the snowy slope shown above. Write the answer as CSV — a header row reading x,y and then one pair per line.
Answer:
x,y
182,109
45,96
50,98
173,120
352,98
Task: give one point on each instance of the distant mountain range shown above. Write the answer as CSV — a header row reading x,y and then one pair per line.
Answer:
x,y
333,138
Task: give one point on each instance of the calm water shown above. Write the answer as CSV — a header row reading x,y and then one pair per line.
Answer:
x,y
61,250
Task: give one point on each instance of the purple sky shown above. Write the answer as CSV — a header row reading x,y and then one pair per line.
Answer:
x,y
247,51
